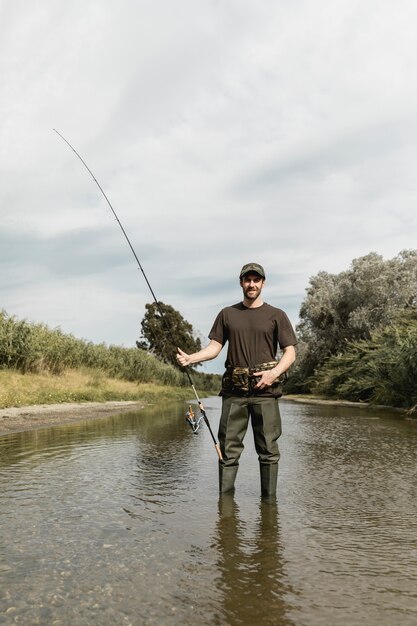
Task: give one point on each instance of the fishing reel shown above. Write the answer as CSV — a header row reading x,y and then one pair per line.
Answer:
x,y
194,424
190,418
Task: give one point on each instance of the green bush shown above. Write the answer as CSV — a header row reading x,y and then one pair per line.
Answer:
x,y
382,370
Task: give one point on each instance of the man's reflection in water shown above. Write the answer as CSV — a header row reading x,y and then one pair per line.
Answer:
x,y
252,583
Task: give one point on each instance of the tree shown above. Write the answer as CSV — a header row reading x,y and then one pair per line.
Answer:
x,y
346,307
382,369
162,335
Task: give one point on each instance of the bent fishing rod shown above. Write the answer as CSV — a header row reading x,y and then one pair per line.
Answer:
x,y
190,417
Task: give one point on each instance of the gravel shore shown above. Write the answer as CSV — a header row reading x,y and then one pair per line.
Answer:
x,y
15,419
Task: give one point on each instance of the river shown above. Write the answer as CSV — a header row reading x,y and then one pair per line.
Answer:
x,y
118,521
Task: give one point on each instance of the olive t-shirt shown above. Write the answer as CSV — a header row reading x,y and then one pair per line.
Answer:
x,y
253,334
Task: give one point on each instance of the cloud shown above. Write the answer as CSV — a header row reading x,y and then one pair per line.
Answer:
x,y
221,132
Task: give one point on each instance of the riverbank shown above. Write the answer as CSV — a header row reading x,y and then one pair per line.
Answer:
x,y
80,385
31,417
17,419
347,403
324,401
29,401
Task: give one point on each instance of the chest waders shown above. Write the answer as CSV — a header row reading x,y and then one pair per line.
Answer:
x,y
241,404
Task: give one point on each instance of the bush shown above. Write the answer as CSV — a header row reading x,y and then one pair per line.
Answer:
x,y
382,370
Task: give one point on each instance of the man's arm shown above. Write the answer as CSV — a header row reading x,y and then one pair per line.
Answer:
x,y
206,354
267,378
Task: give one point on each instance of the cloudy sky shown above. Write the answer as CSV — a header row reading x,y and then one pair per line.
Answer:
x,y
276,131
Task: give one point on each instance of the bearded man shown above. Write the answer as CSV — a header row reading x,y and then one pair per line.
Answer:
x,y
252,382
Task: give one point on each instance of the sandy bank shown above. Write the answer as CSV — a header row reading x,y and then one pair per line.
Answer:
x,y
322,401
362,405
15,419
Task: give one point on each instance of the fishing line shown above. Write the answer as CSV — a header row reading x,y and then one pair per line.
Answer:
x,y
194,423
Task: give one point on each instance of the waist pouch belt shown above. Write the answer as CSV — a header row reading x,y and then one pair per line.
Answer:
x,y
240,381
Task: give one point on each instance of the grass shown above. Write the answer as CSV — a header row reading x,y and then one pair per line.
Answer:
x,y
80,385
35,349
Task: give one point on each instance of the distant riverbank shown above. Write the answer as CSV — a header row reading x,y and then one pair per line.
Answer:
x,y
79,385
31,417
29,401
17,419
334,402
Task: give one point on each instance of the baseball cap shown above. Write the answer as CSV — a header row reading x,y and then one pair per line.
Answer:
x,y
252,267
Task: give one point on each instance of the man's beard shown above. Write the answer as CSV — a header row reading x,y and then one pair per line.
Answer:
x,y
252,296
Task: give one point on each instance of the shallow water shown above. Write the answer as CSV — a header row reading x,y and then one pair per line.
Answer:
x,y
118,521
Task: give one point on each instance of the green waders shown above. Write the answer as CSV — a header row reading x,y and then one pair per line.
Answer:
x,y
266,426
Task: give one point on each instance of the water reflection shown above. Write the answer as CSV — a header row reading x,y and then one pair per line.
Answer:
x,y
252,582
162,423
118,520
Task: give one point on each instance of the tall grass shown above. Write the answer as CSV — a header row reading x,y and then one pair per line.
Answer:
x,y
81,385
34,348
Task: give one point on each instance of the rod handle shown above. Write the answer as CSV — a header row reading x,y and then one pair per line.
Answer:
x,y
219,452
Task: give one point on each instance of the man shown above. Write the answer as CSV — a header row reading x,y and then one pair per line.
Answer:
x,y
252,382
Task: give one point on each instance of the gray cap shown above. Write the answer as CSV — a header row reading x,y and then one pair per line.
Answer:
x,y
252,267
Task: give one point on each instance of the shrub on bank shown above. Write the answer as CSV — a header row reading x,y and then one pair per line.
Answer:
x,y
382,370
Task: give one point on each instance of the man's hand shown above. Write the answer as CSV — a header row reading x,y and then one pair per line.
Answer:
x,y
266,379
207,353
183,358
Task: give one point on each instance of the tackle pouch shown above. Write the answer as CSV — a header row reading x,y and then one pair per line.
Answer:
x,y
240,381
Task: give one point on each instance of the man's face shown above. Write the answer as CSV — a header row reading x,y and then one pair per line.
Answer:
x,y
252,285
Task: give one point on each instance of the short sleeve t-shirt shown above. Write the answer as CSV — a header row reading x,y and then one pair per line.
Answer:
x,y
254,335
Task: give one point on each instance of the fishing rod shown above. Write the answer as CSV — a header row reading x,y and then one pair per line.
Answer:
x,y
190,417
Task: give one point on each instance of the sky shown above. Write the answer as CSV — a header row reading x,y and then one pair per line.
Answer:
x,y
223,132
